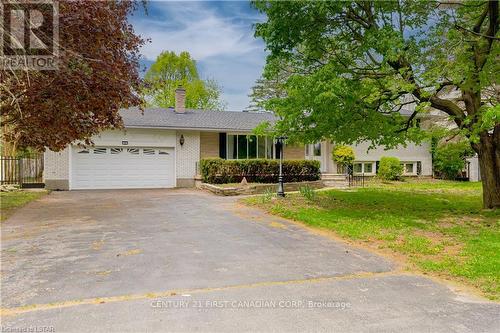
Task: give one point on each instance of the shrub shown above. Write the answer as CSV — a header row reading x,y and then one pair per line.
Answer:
x,y
219,171
450,158
343,155
307,192
390,168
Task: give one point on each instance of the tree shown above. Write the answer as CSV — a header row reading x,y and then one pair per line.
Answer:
x,y
171,71
343,155
360,66
269,86
450,158
97,75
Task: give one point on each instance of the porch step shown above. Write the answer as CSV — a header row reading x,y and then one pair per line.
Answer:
x,y
333,177
336,183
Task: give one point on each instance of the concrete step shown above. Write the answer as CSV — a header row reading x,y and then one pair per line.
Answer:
x,y
327,176
336,183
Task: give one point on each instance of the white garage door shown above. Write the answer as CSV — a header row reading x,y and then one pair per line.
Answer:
x,y
122,167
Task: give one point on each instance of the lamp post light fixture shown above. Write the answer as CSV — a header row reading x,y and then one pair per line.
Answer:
x,y
279,145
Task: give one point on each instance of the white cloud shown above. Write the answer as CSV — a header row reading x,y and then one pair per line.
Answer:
x,y
219,36
195,28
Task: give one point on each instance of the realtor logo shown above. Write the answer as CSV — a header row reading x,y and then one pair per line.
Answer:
x,y
29,34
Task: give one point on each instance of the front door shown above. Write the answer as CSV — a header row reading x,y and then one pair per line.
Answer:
x,y
316,152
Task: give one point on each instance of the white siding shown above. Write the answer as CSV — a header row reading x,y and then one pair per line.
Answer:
x,y
411,153
136,137
188,154
475,174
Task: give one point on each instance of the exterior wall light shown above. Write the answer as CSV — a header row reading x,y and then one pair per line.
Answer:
x,y
181,140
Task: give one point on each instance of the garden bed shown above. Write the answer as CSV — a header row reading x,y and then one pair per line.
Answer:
x,y
256,188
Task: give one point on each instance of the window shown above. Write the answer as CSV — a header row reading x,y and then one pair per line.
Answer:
x,y
408,168
162,152
270,148
261,147
363,167
317,149
148,151
242,146
84,151
115,151
252,146
232,146
133,151
341,169
100,150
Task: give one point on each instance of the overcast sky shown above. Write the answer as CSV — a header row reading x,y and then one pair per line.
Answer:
x,y
218,35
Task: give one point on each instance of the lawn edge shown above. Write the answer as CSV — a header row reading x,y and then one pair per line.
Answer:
x,y
401,263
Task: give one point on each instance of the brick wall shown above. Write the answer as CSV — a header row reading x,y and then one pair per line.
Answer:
x,y
56,169
295,152
209,144
187,156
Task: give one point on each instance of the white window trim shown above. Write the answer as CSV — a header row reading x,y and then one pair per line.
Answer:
x,y
414,163
374,166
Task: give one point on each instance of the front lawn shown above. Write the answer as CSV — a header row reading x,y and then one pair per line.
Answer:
x,y
10,201
437,227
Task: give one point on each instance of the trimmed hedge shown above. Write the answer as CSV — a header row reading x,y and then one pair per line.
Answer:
x,y
220,171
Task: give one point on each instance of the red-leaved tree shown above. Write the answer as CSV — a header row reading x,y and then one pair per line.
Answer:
x,y
97,75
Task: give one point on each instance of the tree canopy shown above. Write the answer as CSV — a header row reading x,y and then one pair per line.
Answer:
x,y
171,71
366,70
97,75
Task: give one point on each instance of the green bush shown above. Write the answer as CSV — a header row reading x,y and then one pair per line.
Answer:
x,y
343,155
219,171
450,158
390,168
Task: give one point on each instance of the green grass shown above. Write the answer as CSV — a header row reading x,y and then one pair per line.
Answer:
x,y
10,201
439,227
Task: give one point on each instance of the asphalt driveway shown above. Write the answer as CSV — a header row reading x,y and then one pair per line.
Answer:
x,y
182,260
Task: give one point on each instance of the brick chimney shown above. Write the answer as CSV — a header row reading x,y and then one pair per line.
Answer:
x,y
180,100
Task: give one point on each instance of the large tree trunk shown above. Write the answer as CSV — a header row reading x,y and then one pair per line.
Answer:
x,y
488,150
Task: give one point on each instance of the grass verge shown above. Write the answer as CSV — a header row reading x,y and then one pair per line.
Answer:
x,y
10,201
437,228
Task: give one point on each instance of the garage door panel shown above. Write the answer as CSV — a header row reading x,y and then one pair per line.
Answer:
x,y
118,167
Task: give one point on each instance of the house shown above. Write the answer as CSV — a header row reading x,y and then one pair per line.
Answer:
x,y
161,148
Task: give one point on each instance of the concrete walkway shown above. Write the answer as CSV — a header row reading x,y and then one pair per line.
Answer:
x,y
179,260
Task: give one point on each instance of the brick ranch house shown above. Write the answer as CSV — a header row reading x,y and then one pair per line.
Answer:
x,y
162,147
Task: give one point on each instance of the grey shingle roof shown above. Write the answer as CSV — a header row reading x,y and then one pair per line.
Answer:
x,y
195,119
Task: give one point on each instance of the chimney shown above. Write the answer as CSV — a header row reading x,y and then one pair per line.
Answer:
x,y
180,100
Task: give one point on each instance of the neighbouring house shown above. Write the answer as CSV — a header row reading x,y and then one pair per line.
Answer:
x,y
161,148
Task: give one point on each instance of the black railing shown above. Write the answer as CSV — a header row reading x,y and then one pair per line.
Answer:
x,y
23,171
354,179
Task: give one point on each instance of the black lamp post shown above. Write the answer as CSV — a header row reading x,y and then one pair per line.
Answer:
x,y
279,145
